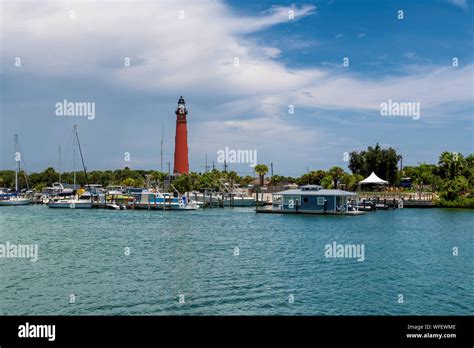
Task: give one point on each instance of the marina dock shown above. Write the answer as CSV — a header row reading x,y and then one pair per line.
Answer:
x,y
391,200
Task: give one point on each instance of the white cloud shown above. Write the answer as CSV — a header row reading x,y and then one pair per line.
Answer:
x,y
432,89
273,16
195,55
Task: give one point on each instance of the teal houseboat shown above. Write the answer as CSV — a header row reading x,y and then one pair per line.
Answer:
x,y
313,199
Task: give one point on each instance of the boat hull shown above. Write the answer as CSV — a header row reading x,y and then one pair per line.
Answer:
x,y
209,199
273,210
167,206
9,202
239,202
70,205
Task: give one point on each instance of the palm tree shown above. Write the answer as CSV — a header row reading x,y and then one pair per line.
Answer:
x,y
158,178
49,175
459,163
275,179
327,182
232,177
261,170
451,164
422,177
336,173
445,163
194,179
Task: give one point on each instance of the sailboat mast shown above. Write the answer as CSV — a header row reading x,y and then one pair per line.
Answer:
x,y
74,155
17,159
162,147
82,158
59,164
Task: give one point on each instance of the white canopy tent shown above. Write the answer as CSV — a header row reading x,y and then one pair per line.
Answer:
x,y
373,179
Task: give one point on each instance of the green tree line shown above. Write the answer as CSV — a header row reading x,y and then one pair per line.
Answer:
x,y
452,177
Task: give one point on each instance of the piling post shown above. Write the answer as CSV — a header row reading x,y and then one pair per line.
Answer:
x,y
256,196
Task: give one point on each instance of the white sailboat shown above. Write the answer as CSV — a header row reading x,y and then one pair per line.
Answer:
x,y
16,200
77,202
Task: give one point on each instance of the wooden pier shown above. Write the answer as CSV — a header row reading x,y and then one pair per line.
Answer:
x,y
391,201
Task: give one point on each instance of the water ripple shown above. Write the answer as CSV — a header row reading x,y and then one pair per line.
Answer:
x,y
81,252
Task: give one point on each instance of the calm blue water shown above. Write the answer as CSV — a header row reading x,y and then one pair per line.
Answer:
x,y
81,252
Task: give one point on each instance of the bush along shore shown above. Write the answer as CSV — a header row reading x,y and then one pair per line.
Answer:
x,y
451,180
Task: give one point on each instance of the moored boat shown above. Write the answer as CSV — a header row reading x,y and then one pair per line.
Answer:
x,y
57,189
84,201
237,197
239,201
208,198
155,200
313,199
14,199
115,190
71,203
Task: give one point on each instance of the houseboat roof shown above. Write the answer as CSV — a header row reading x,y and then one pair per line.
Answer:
x,y
321,192
311,188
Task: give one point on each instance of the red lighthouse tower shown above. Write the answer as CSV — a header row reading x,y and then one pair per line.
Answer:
x,y
181,164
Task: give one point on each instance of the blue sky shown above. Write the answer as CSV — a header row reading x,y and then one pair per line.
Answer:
x,y
370,33
282,62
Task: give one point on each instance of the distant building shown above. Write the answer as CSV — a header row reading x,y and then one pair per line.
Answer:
x,y
266,182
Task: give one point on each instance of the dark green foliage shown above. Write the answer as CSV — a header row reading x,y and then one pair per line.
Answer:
x,y
383,162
